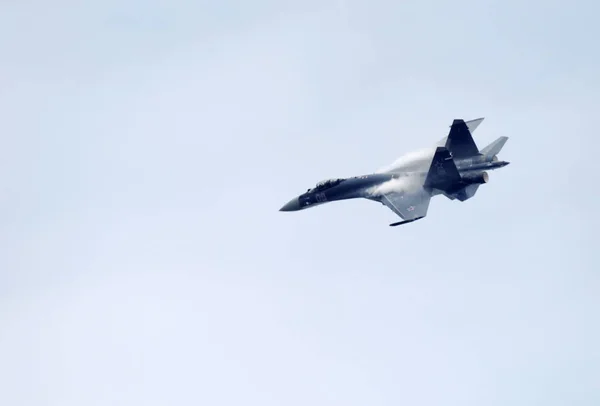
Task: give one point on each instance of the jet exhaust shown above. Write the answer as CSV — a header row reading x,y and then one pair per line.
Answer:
x,y
476,178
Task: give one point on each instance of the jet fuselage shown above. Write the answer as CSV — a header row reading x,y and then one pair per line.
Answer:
x,y
455,168
365,186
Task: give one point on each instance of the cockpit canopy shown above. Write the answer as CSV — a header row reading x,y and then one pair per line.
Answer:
x,y
326,184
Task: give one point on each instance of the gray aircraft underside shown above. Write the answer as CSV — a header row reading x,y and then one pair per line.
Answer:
x,y
455,168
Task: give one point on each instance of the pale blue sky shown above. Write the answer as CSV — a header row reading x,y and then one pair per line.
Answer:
x,y
146,148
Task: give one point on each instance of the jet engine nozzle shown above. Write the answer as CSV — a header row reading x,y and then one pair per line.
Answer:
x,y
475,178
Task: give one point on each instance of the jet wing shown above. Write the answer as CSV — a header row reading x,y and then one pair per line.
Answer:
x,y
410,206
413,204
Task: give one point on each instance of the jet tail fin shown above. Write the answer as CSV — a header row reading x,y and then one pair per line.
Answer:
x,y
460,140
495,147
443,172
471,126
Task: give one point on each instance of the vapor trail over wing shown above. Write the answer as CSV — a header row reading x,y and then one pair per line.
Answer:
x,y
412,204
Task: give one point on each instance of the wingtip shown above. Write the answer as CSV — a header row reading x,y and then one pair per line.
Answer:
x,y
399,223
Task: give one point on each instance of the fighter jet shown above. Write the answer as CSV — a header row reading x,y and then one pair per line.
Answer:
x,y
454,167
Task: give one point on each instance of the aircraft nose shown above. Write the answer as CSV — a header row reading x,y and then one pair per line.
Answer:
x,y
292,205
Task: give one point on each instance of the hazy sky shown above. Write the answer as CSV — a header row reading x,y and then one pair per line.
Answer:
x,y
146,147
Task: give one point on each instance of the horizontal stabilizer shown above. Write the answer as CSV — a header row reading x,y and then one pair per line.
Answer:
x,y
495,147
467,193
